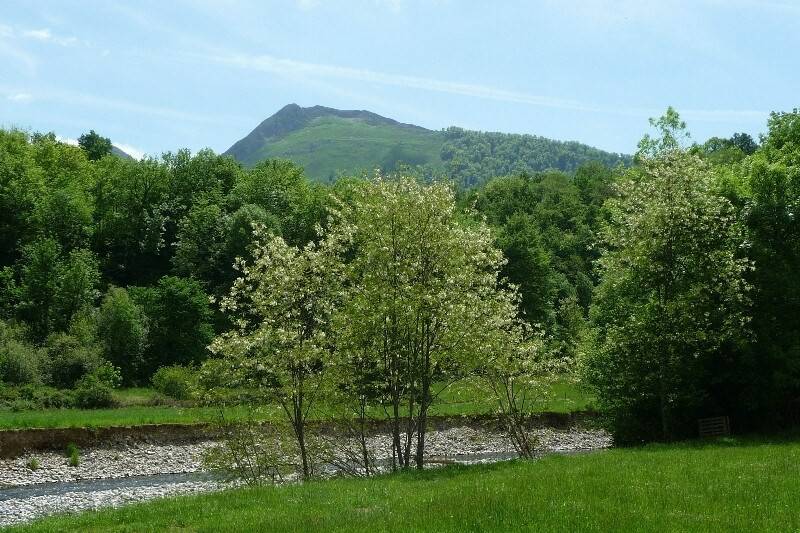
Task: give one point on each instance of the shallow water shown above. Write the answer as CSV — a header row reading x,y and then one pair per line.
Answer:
x,y
95,485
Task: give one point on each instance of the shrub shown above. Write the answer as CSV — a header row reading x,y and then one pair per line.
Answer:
x,y
8,395
95,390
30,396
70,360
93,394
44,397
33,464
253,454
20,363
21,404
177,382
73,455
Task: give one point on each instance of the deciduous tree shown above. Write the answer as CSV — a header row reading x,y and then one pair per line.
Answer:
x,y
672,294
281,308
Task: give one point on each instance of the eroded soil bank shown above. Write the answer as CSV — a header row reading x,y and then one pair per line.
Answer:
x,y
16,442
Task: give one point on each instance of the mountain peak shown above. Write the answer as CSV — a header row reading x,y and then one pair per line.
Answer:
x,y
328,142
292,118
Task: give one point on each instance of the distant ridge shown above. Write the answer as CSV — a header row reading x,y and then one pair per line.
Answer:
x,y
119,153
328,142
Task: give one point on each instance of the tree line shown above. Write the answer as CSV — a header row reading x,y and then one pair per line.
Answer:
x,y
668,285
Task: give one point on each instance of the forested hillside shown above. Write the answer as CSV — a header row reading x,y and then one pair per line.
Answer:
x,y
471,158
329,142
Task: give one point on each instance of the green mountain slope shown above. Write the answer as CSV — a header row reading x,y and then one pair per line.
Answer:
x,y
119,153
328,142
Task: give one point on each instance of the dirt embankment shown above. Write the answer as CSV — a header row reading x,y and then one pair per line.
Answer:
x,y
15,442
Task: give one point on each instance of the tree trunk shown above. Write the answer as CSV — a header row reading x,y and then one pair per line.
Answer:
x,y
363,437
303,454
421,423
666,426
397,449
300,433
410,429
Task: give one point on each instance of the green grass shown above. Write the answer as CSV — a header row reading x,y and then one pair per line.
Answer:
x,y
138,396
724,486
122,416
466,398
331,144
136,408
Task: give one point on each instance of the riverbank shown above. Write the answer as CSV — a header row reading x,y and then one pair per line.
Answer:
x,y
16,442
731,484
462,444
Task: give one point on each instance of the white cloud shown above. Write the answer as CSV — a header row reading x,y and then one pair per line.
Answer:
x,y
42,35
289,67
605,13
724,115
10,48
393,5
46,36
757,5
67,140
127,106
20,97
130,150
124,106
276,65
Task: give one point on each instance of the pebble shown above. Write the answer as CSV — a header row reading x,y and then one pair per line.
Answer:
x,y
104,463
18,511
146,459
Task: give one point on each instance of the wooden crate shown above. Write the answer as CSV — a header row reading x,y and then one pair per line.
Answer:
x,y
717,426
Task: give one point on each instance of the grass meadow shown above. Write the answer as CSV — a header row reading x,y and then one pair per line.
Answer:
x,y
139,406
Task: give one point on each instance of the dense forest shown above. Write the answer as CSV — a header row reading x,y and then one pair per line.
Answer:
x,y
472,158
668,285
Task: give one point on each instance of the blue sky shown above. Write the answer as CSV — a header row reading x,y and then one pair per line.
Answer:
x,y
161,75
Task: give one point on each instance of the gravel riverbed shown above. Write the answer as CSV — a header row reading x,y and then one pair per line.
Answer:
x,y
62,488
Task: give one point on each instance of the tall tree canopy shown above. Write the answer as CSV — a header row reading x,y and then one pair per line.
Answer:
x,y
673,300
94,145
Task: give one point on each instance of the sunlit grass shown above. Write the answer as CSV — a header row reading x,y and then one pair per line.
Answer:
x,y
121,416
136,408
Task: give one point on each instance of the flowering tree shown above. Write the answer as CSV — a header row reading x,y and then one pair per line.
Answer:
x,y
399,300
424,299
281,307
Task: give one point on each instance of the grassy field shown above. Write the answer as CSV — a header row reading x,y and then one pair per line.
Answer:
x,y
136,409
465,398
122,416
729,485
